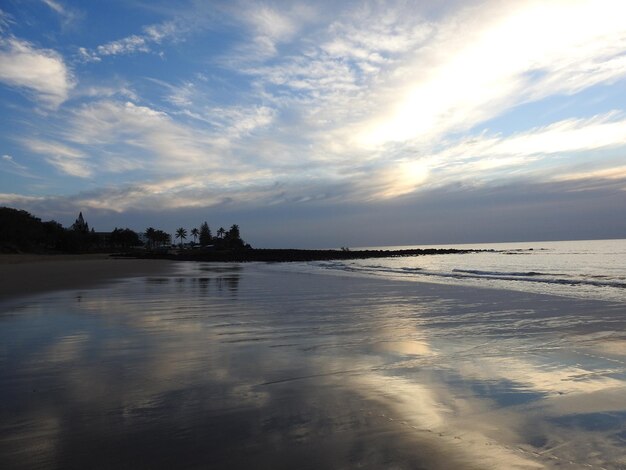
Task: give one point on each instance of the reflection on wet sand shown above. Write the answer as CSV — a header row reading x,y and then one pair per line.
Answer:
x,y
221,366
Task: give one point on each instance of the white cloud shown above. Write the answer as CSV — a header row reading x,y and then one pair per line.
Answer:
x,y
376,94
571,135
238,121
487,159
534,155
66,159
162,31
152,35
127,45
19,200
162,141
614,173
154,141
270,23
182,96
266,27
110,90
86,55
566,136
56,6
375,36
40,71
479,65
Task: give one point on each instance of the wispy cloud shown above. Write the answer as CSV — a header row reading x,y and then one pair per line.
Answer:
x,y
66,159
69,15
8,164
20,200
86,55
570,135
534,155
11,161
41,72
5,20
56,6
127,45
270,26
151,35
146,134
614,173
399,87
264,28
110,136
567,137
475,69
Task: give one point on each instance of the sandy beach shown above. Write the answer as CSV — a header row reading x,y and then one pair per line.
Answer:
x,y
228,366
26,274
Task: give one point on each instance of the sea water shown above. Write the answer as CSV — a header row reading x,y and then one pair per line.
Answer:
x,y
591,269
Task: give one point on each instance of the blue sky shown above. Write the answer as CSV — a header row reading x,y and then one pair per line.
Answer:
x,y
319,123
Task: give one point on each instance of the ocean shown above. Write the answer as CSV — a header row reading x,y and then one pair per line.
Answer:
x,y
590,269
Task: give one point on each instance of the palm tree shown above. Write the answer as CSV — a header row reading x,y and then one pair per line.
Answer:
x,y
194,233
221,232
182,234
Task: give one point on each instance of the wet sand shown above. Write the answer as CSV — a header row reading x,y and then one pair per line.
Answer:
x,y
24,275
228,366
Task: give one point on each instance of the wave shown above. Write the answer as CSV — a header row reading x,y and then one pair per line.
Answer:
x,y
476,274
548,278
498,273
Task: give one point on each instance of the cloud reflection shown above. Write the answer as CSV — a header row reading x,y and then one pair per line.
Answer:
x,y
277,366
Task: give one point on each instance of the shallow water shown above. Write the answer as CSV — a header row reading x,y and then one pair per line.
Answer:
x,y
237,366
588,269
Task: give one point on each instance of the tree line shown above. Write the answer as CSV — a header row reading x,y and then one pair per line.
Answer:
x,y
224,239
21,231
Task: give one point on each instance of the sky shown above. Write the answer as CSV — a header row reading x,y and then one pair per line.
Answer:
x,y
319,124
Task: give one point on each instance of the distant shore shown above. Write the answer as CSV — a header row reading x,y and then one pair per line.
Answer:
x,y
29,274
288,255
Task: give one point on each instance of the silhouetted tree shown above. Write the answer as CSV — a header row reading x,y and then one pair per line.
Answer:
x,y
182,234
124,238
54,235
205,234
162,238
233,233
150,235
233,238
19,230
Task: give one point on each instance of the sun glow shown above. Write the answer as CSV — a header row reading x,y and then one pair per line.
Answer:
x,y
465,81
404,179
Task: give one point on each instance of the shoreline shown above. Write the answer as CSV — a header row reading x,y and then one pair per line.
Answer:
x,y
287,255
25,274
28,274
